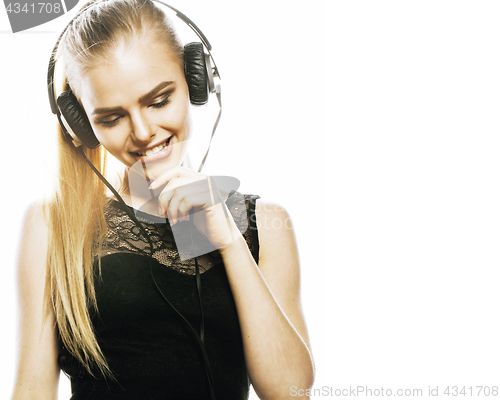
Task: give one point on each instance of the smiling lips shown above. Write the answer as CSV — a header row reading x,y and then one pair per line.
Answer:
x,y
160,151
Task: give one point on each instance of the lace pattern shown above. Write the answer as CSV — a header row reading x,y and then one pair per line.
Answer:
x,y
124,236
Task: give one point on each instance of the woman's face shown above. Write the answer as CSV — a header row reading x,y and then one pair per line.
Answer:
x,y
137,102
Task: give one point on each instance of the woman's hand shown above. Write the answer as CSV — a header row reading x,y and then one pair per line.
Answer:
x,y
190,192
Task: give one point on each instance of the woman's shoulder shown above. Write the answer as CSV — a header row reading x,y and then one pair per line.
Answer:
x,y
239,205
273,220
32,254
276,232
265,224
266,213
35,219
33,240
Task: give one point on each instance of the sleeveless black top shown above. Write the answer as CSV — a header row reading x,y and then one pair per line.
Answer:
x,y
152,353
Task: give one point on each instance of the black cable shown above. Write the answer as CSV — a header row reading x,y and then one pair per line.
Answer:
x,y
198,286
206,362
219,99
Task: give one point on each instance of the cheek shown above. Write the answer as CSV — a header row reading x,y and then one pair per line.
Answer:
x,y
177,121
178,115
113,143
106,140
178,112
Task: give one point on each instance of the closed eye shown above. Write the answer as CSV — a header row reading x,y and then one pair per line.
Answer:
x,y
107,122
164,100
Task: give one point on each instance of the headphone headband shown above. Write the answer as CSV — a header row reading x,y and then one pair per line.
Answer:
x,y
190,23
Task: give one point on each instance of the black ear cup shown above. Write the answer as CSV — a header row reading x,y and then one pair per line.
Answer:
x,y
195,70
75,120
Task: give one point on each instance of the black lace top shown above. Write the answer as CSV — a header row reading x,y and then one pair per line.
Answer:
x,y
151,352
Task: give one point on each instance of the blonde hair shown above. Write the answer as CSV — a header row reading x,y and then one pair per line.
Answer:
x,y
77,225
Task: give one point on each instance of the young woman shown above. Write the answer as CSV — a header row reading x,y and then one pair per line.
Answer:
x,y
113,300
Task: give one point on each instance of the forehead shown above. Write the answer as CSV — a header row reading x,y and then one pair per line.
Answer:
x,y
128,72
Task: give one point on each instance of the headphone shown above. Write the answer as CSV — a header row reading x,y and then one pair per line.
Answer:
x,y
201,74
200,71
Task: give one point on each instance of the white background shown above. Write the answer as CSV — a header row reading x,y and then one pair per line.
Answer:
x,y
373,121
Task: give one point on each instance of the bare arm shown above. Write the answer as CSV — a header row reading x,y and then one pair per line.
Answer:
x,y
37,370
267,298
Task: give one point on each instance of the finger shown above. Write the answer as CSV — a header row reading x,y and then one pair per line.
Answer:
x,y
186,197
165,177
190,204
175,172
168,192
172,208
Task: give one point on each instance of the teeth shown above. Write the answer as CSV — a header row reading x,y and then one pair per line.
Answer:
x,y
155,150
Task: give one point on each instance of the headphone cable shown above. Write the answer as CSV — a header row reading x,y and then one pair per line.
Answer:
x,y
199,339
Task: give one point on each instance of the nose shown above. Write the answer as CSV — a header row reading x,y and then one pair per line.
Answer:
x,y
142,129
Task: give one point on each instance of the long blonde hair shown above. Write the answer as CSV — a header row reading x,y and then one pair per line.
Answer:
x,y
76,212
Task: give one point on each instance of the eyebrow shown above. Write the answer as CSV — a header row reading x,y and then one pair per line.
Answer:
x,y
151,93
